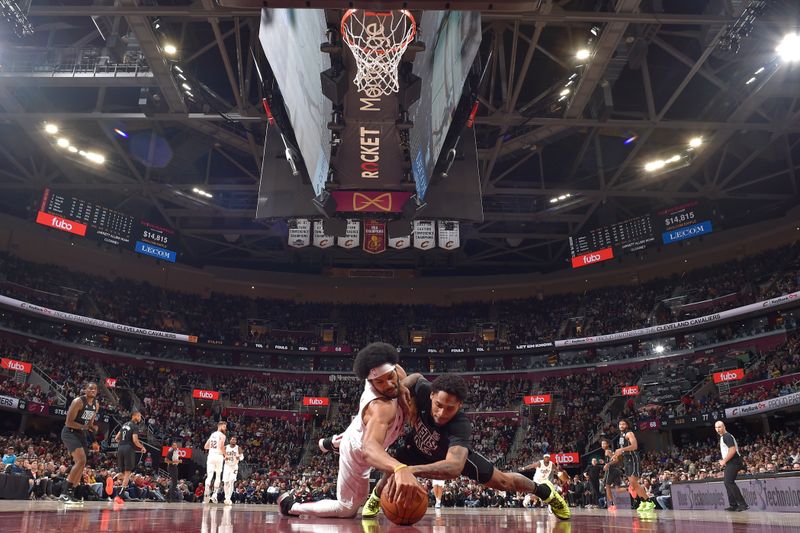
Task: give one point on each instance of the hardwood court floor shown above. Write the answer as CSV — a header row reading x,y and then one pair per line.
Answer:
x,y
97,517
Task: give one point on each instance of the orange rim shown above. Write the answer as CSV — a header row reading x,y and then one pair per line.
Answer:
x,y
350,12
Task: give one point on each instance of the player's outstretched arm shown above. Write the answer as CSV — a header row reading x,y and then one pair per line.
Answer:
x,y
378,416
450,468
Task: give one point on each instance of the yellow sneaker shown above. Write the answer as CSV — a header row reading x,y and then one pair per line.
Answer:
x,y
372,507
557,503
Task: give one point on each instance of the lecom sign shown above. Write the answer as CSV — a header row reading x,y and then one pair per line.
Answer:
x,y
201,394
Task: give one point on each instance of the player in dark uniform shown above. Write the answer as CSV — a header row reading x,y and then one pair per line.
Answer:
x,y
75,435
438,446
613,474
128,438
627,449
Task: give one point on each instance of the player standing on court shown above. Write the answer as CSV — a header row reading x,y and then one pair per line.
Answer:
x,y
232,457
216,457
362,446
613,476
128,439
75,436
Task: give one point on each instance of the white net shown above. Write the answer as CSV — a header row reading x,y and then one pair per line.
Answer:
x,y
378,41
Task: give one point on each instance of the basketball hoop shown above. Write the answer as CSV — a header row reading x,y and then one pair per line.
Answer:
x,y
378,41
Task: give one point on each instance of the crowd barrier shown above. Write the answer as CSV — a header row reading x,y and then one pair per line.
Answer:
x,y
772,493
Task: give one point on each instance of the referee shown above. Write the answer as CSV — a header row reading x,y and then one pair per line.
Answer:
x,y
173,459
732,462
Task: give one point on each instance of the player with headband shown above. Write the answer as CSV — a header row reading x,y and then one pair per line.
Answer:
x,y
362,447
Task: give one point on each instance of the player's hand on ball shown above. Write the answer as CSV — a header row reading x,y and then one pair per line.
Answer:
x,y
401,487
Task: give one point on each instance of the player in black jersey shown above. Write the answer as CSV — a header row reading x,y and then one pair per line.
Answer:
x,y
79,424
438,446
627,449
613,474
128,438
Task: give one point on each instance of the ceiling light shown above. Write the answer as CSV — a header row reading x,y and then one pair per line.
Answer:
x,y
553,200
170,49
94,157
694,142
562,197
52,129
120,133
759,71
789,49
652,166
674,159
573,76
201,192
565,92
631,139
751,80
181,76
72,149
582,54
176,67
659,349
62,142
186,86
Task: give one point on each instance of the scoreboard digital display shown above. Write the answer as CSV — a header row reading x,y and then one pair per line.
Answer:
x,y
629,235
674,224
87,219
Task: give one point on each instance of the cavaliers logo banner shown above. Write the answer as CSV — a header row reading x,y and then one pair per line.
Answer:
x,y
449,234
400,243
370,201
300,235
374,236
424,234
320,239
351,237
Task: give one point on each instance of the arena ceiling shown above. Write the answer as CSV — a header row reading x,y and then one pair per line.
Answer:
x,y
660,73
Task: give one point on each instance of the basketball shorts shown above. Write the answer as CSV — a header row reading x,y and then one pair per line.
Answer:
x,y
477,467
613,477
632,465
74,439
126,458
214,462
230,473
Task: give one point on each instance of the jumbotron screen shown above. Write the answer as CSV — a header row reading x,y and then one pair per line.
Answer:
x,y
86,219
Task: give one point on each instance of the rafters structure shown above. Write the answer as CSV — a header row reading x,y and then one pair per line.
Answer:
x,y
658,77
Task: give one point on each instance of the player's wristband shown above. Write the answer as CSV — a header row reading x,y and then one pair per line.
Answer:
x,y
399,468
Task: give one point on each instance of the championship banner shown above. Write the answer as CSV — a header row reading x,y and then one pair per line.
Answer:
x,y
729,375
424,234
320,239
777,302
184,453
16,366
633,390
537,399
9,401
449,238
572,458
111,383
788,400
351,237
400,243
370,201
86,321
201,394
374,236
300,235
312,401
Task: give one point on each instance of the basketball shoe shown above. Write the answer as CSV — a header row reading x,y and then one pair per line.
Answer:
x,y
557,503
372,507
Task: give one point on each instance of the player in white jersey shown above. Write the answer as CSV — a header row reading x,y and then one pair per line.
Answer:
x,y
363,445
215,445
544,470
232,457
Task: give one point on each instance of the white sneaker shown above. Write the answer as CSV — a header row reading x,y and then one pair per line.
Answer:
x,y
228,502
214,499
438,505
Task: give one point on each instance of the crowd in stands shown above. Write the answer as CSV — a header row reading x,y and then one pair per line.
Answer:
x,y
234,319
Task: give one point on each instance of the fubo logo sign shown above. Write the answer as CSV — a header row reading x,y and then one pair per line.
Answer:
x,y
59,223
16,366
201,394
593,257
729,375
311,401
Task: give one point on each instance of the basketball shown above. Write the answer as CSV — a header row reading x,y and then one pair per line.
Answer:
x,y
410,514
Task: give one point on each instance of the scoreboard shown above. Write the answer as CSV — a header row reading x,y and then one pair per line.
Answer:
x,y
88,219
674,224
